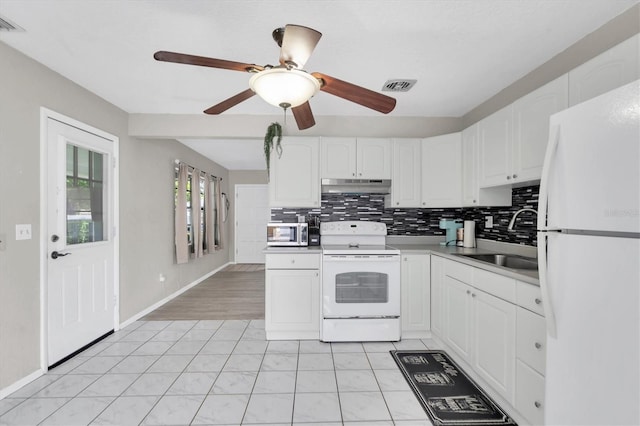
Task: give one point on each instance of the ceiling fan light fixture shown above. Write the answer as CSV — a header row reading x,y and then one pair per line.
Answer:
x,y
279,85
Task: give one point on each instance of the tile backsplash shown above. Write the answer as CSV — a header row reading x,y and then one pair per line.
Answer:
x,y
423,222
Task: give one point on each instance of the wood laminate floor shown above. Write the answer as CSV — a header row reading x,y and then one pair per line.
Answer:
x,y
235,293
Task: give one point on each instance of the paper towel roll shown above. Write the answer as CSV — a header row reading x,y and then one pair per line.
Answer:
x,y
469,233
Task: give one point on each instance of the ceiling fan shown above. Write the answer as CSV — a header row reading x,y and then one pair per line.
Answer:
x,y
287,85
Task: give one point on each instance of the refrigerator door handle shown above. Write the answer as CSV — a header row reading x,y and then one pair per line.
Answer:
x,y
549,157
544,285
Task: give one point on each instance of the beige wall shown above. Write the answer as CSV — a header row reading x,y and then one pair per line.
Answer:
x,y
146,203
240,177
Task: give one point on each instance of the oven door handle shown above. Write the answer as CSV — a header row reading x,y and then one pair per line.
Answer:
x,y
363,258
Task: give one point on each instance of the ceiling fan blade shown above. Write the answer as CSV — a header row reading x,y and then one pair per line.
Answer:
x,y
298,43
182,58
229,103
304,116
357,94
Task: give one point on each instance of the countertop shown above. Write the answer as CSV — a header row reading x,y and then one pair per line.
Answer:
x,y
453,252
432,246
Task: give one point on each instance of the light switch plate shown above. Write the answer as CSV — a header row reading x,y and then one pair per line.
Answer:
x,y
488,222
23,232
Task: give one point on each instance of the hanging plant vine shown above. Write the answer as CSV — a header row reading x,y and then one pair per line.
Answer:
x,y
274,132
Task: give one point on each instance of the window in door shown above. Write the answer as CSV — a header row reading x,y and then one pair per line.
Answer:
x,y
85,219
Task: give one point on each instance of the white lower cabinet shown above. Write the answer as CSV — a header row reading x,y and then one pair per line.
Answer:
x,y
530,393
437,296
494,332
496,325
481,329
292,296
415,291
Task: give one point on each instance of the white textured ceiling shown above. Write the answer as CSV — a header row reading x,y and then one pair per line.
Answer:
x,y
462,52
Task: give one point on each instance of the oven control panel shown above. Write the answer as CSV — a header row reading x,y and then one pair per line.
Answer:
x,y
353,227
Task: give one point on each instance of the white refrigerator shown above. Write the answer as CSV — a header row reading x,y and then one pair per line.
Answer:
x,y
589,261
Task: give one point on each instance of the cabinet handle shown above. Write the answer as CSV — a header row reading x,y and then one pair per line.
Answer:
x,y
538,301
293,261
537,404
474,201
317,274
353,174
473,295
397,203
468,291
538,345
424,204
508,177
360,174
515,176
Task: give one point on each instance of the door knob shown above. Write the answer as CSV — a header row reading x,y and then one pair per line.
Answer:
x,y
55,254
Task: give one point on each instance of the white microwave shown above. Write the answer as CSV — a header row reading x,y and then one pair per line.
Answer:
x,y
287,234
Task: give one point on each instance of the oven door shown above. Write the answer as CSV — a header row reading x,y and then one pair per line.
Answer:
x,y
360,286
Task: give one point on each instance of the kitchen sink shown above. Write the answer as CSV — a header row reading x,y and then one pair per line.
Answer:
x,y
507,260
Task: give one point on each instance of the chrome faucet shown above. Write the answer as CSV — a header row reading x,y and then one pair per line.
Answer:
x,y
513,219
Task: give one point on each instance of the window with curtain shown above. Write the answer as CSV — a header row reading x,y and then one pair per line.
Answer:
x,y
197,227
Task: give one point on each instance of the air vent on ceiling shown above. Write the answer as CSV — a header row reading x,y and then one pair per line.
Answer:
x,y
398,85
7,25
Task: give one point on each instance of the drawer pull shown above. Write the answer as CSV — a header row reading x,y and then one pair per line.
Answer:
x,y
468,291
538,345
473,295
538,301
537,404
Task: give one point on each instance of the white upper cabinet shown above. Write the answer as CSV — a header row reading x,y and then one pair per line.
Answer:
x,y
405,181
356,158
472,194
442,171
338,158
531,127
295,177
512,141
495,147
607,71
374,158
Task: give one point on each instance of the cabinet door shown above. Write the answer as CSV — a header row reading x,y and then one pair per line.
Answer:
x,y
495,148
494,323
374,158
442,171
415,279
338,158
292,303
470,166
531,127
405,184
437,296
295,178
458,314
614,68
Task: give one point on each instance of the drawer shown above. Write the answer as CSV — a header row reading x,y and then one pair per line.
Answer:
x,y
497,285
529,393
531,339
292,261
529,297
459,271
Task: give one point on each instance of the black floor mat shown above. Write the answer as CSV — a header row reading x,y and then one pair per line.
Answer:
x,y
447,394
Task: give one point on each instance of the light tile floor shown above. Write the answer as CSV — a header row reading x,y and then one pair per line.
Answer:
x,y
219,373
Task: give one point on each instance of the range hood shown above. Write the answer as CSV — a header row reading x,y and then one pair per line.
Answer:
x,y
354,186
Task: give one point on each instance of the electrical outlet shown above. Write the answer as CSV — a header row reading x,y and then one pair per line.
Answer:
x,y
488,222
23,232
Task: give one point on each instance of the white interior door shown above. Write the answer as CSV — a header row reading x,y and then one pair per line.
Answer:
x,y
252,215
80,279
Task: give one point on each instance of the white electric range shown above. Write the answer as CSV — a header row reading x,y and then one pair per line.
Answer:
x,y
360,283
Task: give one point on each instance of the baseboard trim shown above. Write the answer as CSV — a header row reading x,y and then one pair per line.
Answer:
x,y
20,383
172,296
